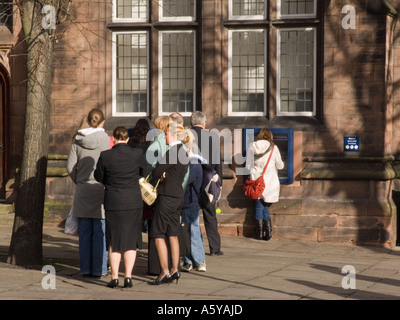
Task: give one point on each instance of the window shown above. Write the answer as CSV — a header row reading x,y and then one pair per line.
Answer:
x,y
272,69
130,10
247,72
249,9
6,13
177,78
296,73
130,77
297,8
177,10
162,45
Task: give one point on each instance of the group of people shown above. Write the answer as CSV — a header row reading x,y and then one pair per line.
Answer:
x,y
108,202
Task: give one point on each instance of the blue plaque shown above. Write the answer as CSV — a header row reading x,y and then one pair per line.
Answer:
x,y
351,143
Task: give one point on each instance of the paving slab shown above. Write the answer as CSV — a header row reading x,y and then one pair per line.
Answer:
x,y
249,270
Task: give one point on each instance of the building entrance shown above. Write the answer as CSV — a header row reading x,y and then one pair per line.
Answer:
x,y
4,108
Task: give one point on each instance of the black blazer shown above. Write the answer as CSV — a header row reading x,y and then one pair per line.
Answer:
x,y
119,170
213,153
175,164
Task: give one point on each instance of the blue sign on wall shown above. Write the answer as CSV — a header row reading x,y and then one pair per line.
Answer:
x,y
351,143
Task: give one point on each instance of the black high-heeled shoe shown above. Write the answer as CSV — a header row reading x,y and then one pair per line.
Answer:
x,y
113,283
176,276
166,279
128,283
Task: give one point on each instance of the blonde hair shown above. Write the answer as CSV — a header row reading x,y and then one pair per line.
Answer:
x,y
190,141
177,131
162,123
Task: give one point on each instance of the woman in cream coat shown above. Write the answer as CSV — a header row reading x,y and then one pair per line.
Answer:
x,y
257,157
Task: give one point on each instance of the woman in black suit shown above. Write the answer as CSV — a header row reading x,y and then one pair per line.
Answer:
x,y
119,170
166,219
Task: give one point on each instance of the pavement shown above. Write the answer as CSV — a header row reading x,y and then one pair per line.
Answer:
x,y
249,270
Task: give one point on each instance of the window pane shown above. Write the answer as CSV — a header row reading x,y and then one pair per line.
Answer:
x,y
248,70
297,71
177,72
132,9
177,8
247,7
132,73
289,7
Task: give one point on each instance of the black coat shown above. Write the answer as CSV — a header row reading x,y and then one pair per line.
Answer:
x,y
119,170
175,164
205,138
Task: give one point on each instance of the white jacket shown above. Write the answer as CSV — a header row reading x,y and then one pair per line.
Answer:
x,y
256,159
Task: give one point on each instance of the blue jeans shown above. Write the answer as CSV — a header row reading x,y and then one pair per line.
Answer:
x,y
92,246
197,256
261,210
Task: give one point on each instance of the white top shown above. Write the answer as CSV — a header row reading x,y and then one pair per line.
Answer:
x,y
256,160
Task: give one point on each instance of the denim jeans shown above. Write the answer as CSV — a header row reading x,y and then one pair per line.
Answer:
x,y
197,256
261,210
93,255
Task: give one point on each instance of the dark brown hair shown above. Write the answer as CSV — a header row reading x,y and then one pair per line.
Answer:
x,y
120,133
95,118
140,131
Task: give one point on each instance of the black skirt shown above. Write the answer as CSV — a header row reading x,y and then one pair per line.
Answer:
x,y
124,229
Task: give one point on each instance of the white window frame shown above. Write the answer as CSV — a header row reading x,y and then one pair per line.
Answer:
x,y
114,77
252,17
232,113
183,18
160,68
278,78
295,16
127,20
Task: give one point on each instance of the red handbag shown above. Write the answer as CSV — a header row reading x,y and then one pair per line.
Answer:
x,y
254,188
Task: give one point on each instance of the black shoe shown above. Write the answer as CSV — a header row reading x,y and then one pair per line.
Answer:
x,y
113,283
128,283
217,253
267,228
176,276
165,280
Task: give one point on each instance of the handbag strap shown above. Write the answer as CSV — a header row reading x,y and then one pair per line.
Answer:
x,y
265,168
147,180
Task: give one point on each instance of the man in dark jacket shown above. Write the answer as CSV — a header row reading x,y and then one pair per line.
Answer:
x,y
209,146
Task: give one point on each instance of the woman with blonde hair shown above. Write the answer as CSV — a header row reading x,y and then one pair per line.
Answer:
x,y
257,158
167,212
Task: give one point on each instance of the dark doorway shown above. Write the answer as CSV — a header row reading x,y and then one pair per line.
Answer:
x,y
396,200
4,131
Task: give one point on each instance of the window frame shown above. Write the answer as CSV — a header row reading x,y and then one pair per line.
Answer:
x,y
232,113
281,16
278,75
176,19
273,20
114,75
245,17
160,69
129,20
153,26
